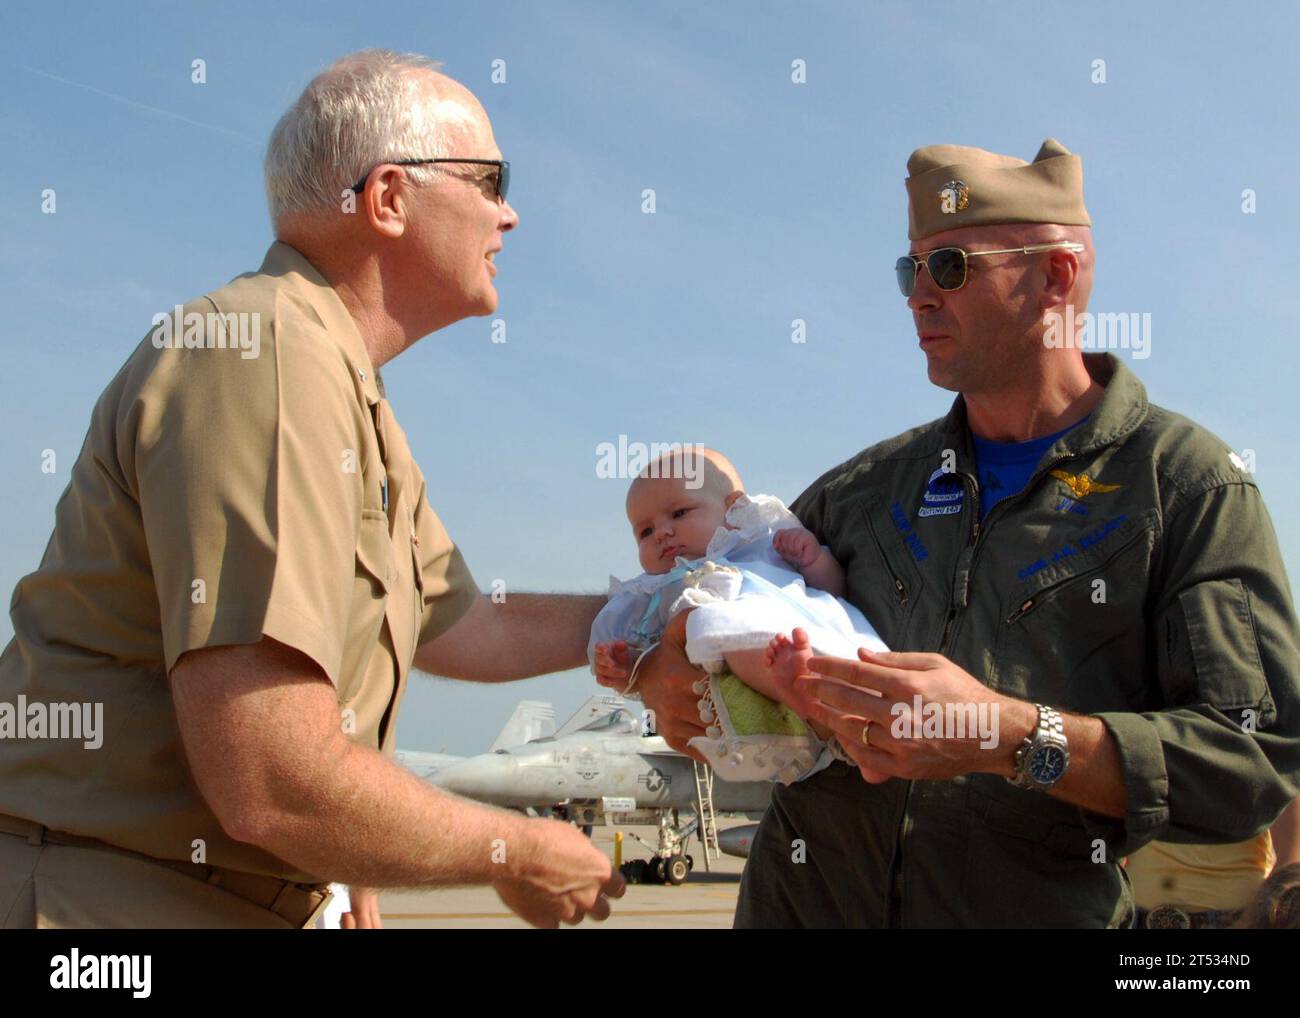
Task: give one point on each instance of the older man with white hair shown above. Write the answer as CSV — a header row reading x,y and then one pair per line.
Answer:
x,y
245,566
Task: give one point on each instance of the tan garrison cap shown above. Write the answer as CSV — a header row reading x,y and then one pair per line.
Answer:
x,y
950,186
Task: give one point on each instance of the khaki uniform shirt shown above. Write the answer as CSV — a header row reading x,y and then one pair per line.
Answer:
x,y
222,495
1137,579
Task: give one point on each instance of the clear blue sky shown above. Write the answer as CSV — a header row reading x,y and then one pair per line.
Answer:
x,y
775,201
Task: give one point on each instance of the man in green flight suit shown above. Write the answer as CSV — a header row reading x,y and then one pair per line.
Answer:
x,y
1096,575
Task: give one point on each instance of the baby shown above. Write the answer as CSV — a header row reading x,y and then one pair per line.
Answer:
x,y
749,573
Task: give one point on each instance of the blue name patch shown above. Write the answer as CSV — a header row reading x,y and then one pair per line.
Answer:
x,y
1091,539
914,543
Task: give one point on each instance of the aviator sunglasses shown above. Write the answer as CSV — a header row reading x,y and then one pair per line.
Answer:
x,y
501,179
947,265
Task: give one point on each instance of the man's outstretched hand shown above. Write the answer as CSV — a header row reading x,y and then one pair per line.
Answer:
x,y
364,913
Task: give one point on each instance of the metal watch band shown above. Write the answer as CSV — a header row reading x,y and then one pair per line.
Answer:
x,y
1050,730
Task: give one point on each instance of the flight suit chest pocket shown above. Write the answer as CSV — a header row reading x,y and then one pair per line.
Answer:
x,y
883,579
371,584
1073,632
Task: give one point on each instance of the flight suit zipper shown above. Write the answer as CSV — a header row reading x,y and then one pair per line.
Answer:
x,y
994,513
1024,609
971,486
973,492
900,588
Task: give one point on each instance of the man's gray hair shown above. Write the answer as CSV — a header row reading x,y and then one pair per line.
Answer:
x,y
364,109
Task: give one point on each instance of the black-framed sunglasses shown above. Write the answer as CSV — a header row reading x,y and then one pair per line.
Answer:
x,y
947,265
501,179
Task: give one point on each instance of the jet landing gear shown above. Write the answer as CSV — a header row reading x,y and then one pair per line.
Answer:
x,y
669,865
658,871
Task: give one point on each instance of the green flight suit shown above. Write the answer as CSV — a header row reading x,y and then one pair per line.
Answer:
x,y
1137,579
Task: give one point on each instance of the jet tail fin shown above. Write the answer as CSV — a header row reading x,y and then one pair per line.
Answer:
x,y
596,709
532,720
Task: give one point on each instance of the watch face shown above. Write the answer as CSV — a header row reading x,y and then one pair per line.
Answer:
x,y
1047,765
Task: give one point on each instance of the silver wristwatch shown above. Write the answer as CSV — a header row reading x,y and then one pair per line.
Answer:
x,y
1043,757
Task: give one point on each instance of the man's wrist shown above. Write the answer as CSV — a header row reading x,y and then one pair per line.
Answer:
x,y
517,859
1017,720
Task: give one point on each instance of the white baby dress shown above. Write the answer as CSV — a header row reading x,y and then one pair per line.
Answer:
x,y
743,593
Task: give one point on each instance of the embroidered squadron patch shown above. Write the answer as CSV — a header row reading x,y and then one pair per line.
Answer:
x,y
944,494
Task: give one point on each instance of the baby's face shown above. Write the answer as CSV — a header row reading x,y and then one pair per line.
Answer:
x,y
668,519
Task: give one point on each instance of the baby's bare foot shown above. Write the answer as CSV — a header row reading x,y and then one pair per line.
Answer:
x,y
787,657
774,647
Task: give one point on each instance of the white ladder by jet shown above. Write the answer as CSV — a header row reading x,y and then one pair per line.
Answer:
x,y
707,819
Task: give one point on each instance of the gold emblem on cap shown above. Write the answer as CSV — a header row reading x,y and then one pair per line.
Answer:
x,y
954,196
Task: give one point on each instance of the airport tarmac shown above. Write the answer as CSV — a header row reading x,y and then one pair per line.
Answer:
x,y
705,901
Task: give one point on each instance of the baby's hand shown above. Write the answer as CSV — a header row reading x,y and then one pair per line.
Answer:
x,y
612,663
797,546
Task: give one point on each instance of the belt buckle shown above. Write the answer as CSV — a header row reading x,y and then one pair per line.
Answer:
x,y
319,910
1168,917
289,891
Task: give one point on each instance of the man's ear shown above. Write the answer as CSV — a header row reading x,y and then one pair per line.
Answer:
x,y
384,202
730,500
1062,271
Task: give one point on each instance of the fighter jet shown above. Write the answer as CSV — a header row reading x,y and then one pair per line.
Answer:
x,y
602,766
532,719
601,753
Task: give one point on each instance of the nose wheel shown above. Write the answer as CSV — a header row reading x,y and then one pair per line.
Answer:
x,y
671,870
